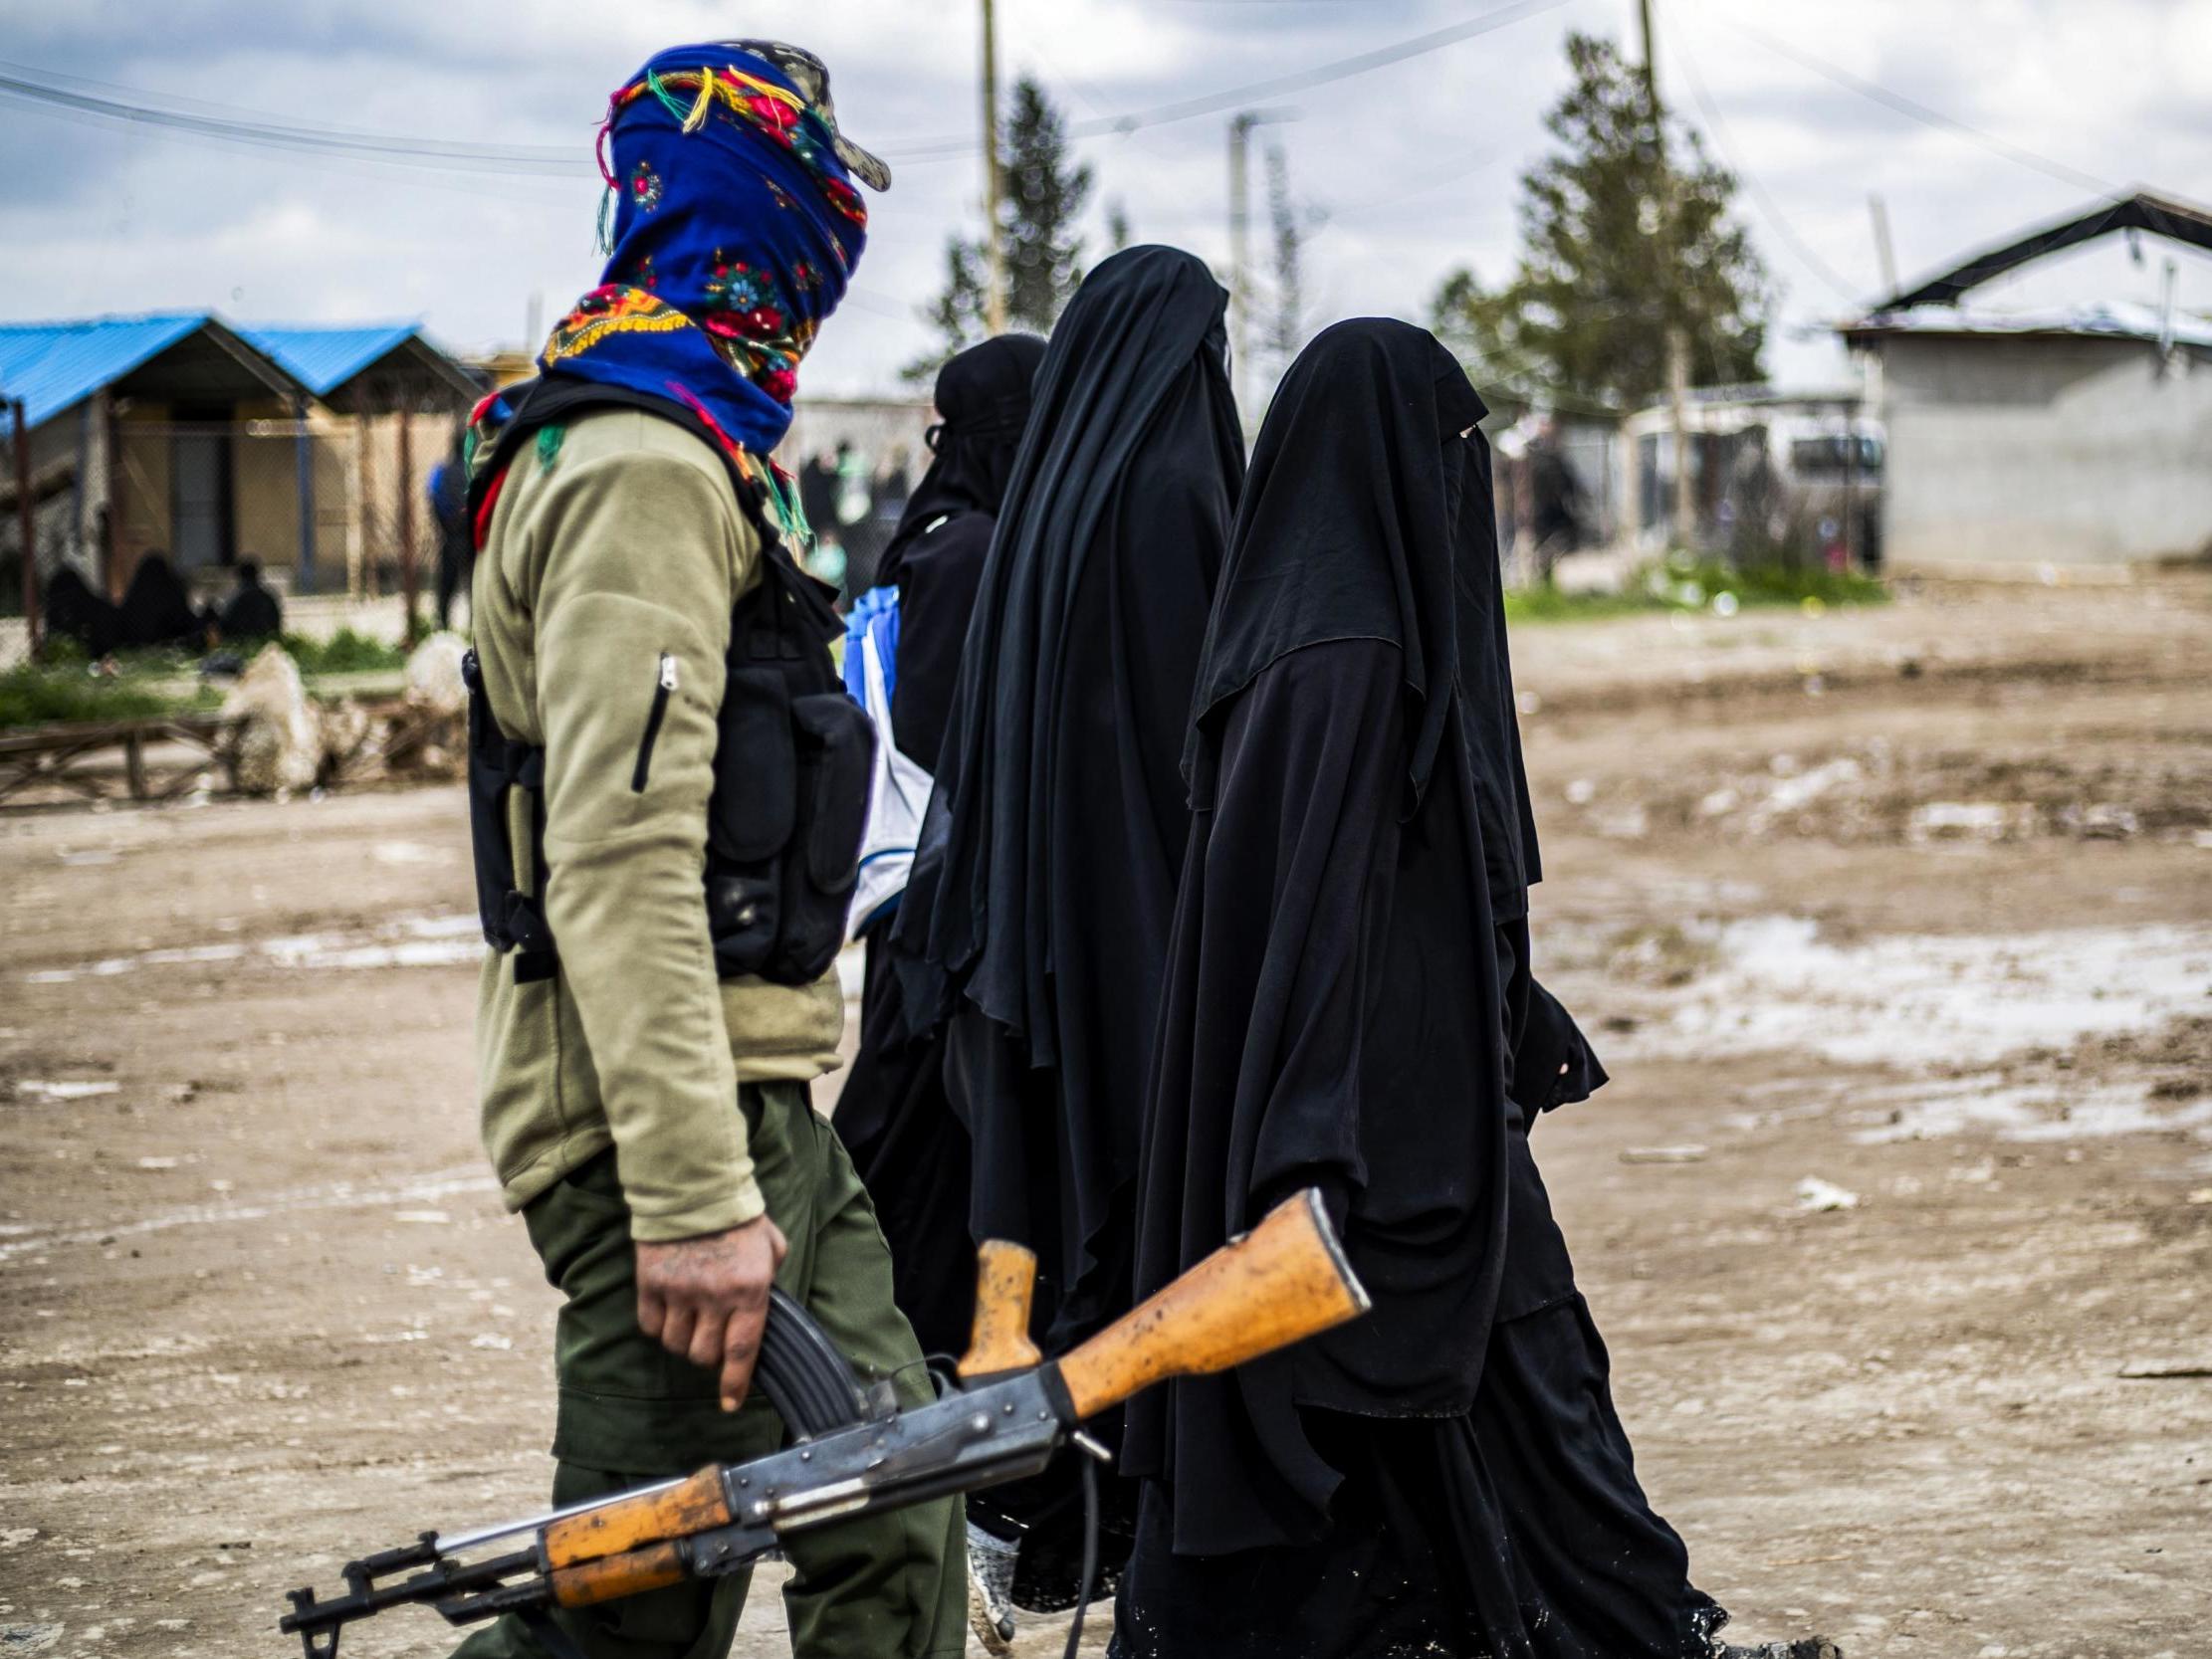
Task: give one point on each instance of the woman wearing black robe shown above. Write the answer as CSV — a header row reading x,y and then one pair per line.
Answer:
x,y
1348,990
1042,897
909,1148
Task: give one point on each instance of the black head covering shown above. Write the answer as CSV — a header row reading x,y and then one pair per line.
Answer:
x,y
157,607
74,611
1365,516
1132,407
983,404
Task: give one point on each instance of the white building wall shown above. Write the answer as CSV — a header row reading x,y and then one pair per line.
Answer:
x,y
2030,450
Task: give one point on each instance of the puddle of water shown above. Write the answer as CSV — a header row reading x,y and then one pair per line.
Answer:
x,y
1926,1002
1926,999
2024,1112
69,1088
330,1195
410,942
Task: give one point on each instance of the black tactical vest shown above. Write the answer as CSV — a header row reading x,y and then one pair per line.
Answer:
x,y
794,756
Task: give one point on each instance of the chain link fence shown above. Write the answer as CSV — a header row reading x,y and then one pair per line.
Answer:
x,y
327,505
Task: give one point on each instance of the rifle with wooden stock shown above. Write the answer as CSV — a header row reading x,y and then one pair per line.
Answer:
x,y
853,1449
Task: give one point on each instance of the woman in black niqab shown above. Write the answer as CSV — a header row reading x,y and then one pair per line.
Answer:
x,y
1347,1001
1048,873
935,558
908,1148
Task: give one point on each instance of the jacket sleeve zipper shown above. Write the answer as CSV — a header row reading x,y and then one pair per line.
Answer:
x,y
661,691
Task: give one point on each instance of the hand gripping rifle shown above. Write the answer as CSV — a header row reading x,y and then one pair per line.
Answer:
x,y
853,1450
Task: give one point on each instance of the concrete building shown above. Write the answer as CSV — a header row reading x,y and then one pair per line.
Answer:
x,y
2052,438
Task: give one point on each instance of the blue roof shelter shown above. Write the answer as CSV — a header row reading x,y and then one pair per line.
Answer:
x,y
140,426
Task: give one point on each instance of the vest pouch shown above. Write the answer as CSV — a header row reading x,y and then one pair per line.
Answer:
x,y
836,746
511,918
751,818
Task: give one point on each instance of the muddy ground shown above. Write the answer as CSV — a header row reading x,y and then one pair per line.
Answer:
x,y
1895,928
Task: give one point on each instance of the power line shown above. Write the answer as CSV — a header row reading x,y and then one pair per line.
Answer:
x,y
1213,103
29,85
269,132
1770,209
1922,112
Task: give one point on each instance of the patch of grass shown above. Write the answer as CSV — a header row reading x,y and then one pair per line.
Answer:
x,y
1679,583
1551,604
344,652
42,694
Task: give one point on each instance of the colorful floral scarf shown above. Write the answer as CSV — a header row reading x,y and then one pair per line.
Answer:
x,y
734,228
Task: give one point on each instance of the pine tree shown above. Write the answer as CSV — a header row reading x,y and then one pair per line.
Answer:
x,y
1043,198
1603,270
1042,193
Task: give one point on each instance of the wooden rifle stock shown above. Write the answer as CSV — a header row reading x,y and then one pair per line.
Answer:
x,y
1006,1281
622,1526
613,1576
1283,1281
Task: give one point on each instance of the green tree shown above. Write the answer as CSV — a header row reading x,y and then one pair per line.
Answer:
x,y
1042,192
1626,230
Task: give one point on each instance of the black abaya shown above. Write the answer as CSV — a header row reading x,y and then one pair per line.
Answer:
x,y
1347,1001
1042,897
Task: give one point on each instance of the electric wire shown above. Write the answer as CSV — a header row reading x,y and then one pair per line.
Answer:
x,y
951,147
1930,116
1770,209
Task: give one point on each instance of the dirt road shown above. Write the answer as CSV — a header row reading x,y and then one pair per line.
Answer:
x,y
1894,929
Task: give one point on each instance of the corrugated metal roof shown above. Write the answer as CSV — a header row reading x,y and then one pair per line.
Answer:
x,y
2113,320
323,359
51,366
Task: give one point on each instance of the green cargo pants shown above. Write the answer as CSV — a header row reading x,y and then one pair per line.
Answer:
x,y
882,1586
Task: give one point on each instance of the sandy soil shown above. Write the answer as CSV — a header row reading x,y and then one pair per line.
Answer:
x,y
1895,928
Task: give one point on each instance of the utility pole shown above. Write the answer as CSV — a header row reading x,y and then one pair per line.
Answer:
x,y
1678,337
995,237
1240,127
1885,253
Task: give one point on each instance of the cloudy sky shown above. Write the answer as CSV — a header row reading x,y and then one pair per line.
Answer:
x,y
1405,170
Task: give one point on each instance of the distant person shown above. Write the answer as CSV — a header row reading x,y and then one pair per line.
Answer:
x,y
449,509
893,484
817,496
72,611
252,613
1557,503
157,607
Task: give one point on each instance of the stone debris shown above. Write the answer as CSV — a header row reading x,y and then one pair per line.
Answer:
x,y
279,749
1821,1196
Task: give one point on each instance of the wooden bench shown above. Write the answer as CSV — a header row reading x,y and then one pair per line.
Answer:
x,y
58,753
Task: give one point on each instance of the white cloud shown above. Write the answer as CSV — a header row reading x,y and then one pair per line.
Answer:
x,y
140,219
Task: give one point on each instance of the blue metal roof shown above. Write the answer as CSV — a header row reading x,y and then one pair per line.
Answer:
x,y
51,366
323,359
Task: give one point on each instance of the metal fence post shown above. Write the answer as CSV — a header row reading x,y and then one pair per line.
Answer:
x,y
408,576
302,447
26,519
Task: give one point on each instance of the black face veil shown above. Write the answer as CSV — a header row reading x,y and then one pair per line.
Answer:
x,y
982,403
1364,519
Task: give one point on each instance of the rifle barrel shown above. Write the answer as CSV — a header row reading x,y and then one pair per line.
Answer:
x,y
454,1542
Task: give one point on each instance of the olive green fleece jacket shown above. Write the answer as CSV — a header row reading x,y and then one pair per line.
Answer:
x,y
612,560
